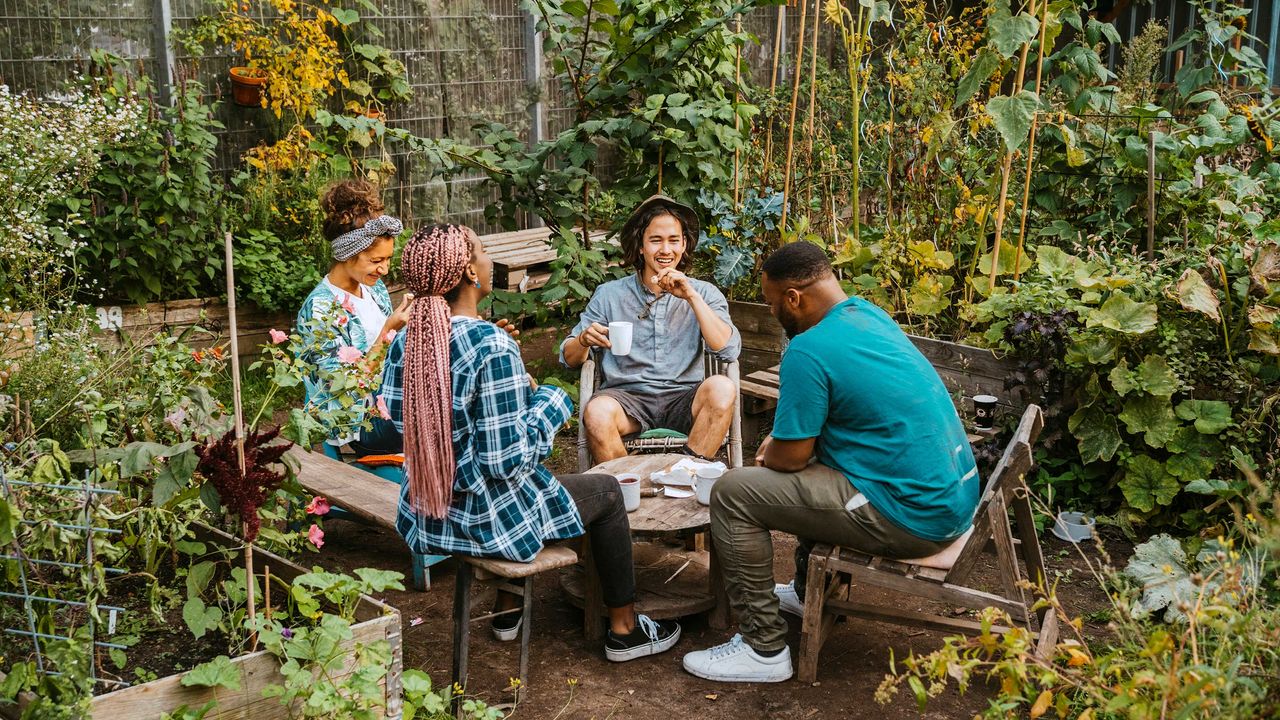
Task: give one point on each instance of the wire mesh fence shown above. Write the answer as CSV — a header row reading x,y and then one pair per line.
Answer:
x,y
468,61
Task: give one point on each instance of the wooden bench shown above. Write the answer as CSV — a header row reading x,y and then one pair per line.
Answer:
x,y
363,496
522,258
377,501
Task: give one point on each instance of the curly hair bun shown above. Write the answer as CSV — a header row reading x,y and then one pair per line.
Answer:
x,y
347,205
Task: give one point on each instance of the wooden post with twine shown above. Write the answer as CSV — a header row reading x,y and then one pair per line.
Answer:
x,y
791,123
239,426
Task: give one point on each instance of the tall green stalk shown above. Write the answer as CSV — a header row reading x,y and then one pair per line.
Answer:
x,y
855,62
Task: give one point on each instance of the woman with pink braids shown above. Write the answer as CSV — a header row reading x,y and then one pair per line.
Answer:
x,y
476,428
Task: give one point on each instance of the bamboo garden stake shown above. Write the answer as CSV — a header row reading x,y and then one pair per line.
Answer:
x,y
239,426
773,86
813,99
1007,168
791,124
1031,146
737,120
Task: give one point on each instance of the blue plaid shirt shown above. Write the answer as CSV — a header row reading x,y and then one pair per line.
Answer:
x,y
505,503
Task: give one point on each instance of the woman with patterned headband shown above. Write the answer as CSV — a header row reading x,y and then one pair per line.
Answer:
x,y
476,430
351,301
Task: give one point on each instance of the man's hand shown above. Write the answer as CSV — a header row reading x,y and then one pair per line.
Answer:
x,y
509,326
533,384
596,335
764,445
675,282
787,456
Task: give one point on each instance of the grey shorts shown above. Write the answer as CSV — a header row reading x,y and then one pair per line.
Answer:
x,y
671,410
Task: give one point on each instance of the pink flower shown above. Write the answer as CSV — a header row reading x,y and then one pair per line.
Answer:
x,y
347,304
319,505
383,411
349,355
389,336
316,536
340,320
278,337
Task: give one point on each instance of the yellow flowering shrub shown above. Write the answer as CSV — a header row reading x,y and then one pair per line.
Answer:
x,y
293,42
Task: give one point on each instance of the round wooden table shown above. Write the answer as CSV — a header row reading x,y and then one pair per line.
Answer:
x,y
670,580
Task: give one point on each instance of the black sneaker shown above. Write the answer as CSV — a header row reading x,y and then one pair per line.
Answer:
x,y
506,627
647,638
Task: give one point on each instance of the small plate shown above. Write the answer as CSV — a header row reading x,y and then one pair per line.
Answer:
x,y
675,492
668,477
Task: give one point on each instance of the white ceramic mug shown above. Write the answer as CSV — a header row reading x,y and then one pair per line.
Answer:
x,y
629,483
706,479
620,338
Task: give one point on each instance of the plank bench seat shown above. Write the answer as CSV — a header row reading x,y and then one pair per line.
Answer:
x,y
552,557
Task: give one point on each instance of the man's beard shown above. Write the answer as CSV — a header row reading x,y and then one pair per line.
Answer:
x,y
790,325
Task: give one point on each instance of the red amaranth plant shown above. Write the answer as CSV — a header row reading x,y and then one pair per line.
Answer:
x,y
243,495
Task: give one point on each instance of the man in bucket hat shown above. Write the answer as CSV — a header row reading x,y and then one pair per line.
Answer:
x,y
660,383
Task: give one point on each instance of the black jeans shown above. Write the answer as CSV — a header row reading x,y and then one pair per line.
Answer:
x,y
381,438
599,502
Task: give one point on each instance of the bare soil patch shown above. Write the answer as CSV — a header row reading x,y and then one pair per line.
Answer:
x,y
570,678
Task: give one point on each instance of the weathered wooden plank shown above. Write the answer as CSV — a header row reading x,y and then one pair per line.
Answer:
x,y
362,494
942,592
901,616
257,670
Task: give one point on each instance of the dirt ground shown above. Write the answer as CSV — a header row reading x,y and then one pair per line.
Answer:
x,y
569,678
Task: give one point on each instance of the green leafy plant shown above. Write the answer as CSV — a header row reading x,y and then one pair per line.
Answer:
x,y
737,239
1219,657
151,213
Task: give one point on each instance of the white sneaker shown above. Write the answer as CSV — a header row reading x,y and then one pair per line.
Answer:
x,y
736,661
788,599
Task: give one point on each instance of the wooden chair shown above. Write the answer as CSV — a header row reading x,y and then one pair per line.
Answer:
x,y
500,572
659,439
834,571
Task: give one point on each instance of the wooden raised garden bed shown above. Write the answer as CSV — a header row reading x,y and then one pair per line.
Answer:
x,y
374,621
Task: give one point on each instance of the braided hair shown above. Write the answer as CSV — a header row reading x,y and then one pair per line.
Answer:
x,y
433,263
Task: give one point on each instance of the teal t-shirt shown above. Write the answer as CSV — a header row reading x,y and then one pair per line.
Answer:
x,y
882,417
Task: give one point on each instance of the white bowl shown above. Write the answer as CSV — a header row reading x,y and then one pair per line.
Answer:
x,y
1073,527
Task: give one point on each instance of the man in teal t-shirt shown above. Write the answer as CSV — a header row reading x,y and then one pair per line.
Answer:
x,y
867,452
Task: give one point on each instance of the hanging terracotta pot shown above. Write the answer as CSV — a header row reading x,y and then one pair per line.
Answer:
x,y
246,86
